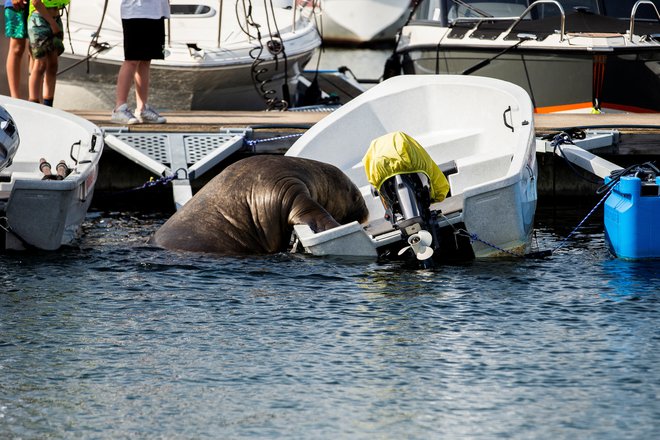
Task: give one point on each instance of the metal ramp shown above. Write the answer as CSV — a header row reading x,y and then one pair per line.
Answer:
x,y
171,155
578,151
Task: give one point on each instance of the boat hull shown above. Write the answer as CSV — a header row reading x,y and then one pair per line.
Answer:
x,y
179,88
217,56
557,81
361,22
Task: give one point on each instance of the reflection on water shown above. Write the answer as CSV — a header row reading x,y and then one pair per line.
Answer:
x,y
114,339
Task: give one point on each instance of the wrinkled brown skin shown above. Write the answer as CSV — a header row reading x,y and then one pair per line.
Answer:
x,y
252,205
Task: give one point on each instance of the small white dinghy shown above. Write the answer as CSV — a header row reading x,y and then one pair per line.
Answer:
x,y
36,210
480,133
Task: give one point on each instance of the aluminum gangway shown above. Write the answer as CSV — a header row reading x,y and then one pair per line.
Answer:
x,y
181,157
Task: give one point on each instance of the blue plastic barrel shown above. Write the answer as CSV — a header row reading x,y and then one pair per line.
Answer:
x,y
632,218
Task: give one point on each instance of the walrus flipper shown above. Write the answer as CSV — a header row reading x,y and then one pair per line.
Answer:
x,y
306,211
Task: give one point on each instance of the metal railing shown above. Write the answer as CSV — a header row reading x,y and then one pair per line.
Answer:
x,y
518,19
631,30
562,31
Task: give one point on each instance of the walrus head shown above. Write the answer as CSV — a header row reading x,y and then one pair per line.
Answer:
x,y
340,197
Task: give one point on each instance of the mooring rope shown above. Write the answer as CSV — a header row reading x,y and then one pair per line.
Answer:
x,y
253,142
475,237
574,231
163,180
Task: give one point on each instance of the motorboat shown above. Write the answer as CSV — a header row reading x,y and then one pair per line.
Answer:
x,y
48,171
486,153
219,55
362,22
569,55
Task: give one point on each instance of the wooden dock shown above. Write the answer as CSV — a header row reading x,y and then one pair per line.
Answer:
x,y
212,120
640,133
638,142
199,121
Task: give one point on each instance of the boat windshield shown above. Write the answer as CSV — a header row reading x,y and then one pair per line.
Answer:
x,y
450,10
486,8
623,9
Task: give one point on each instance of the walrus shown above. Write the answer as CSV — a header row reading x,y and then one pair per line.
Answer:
x,y
251,206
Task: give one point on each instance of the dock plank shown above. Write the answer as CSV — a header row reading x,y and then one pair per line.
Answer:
x,y
211,120
194,121
624,122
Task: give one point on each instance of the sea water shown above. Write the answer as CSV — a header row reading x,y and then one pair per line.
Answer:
x,y
114,339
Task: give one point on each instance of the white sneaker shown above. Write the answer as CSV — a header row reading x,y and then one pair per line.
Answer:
x,y
122,115
150,116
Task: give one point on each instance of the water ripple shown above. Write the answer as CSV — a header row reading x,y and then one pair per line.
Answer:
x,y
290,346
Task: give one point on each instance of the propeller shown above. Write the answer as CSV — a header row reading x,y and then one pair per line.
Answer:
x,y
420,244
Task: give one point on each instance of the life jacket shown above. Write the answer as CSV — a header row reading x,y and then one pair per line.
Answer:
x,y
51,4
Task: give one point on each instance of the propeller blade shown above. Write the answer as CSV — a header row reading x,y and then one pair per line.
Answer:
x,y
420,242
425,237
424,253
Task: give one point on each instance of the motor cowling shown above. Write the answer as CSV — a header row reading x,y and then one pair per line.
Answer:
x,y
9,138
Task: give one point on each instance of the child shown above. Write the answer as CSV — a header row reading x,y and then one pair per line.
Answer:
x,y
16,30
45,33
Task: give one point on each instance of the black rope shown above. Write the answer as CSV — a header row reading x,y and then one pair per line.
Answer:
x,y
275,47
645,171
94,43
393,63
565,138
163,180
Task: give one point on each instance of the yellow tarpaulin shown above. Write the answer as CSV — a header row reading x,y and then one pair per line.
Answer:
x,y
397,153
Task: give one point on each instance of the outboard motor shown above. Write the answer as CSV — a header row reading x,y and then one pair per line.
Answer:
x,y
407,201
9,139
407,180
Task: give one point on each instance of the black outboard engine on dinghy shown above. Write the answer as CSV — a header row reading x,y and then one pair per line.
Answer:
x,y
407,201
9,138
408,181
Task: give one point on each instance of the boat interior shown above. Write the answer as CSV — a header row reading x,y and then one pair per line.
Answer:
x,y
74,149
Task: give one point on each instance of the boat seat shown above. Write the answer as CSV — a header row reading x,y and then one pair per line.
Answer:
x,y
20,166
378,227
478,169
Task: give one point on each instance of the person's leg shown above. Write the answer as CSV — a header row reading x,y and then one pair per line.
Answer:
x,y
39,33
14,65
16,31
56,48
37,79
50,78
124,81
142,85
121,114
144,112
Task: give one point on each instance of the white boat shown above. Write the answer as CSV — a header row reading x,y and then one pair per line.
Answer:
x,y
39,213
569,55
358,22
478,131
219,55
